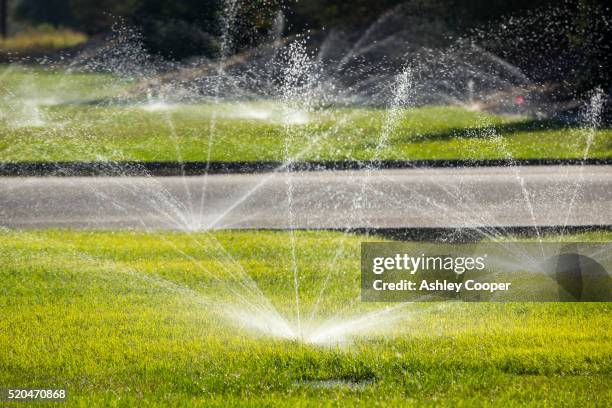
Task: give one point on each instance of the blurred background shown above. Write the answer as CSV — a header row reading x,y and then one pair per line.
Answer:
x,y
570,45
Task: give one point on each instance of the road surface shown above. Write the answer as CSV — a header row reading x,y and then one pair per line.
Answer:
x,y
411,198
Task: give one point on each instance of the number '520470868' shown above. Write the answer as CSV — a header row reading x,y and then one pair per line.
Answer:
x,y
14,394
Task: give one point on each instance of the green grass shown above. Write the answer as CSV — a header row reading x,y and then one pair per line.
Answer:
x,y
118,318
41,40
48,116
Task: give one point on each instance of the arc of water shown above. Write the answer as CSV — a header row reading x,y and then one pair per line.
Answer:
x,y
401,97
230,11
366,36
298,79
592,118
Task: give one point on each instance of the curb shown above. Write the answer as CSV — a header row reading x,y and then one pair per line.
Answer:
x,y
171,168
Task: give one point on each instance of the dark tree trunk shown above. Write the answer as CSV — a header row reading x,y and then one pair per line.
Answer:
x,y
3,18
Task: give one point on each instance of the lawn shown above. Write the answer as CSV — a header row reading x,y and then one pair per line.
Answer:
x,y
48,115
40,40
125,318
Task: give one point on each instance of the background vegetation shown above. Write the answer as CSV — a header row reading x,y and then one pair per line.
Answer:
x,y
572,47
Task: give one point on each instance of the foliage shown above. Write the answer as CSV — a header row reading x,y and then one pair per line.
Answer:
x,y
54,12
174,29
94,16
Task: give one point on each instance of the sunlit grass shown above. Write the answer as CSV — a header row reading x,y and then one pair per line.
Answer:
x,y
59,116
42,39
62,133
118,318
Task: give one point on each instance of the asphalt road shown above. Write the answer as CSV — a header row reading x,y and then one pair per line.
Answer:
x,y
411,198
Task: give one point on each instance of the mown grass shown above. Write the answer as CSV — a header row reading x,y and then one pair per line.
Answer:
x,y
42,39
55,116
118,318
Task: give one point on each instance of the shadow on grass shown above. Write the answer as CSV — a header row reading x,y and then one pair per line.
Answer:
x,y
502,129
469,235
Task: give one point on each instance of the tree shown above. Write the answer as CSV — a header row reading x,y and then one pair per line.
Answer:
x,y
54,12
95,16
3,18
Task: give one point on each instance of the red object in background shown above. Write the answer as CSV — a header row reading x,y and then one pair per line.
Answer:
x,y
519,100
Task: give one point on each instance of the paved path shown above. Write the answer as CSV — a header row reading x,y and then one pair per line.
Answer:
x,y
443,197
